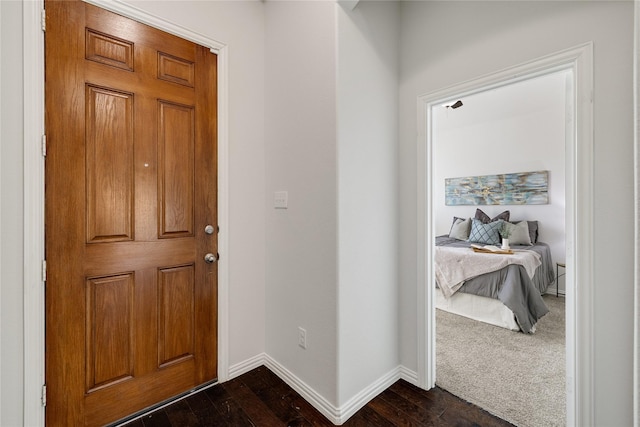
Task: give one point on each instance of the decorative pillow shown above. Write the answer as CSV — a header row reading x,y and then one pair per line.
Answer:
x,y
484,218
455,218
488,234
460,229
519,233
533,231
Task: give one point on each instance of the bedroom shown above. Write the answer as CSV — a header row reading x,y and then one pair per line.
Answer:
x,y
517,127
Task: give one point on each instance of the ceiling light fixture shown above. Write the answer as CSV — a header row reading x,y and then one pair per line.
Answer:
x,y
455,105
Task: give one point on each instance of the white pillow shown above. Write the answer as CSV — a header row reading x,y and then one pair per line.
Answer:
x,y
520,234
460,229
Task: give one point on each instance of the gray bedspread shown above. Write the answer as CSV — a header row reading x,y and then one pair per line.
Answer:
x,y
512,285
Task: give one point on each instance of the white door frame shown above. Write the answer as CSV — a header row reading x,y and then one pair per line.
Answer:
x,y
579,222
636,204
34,310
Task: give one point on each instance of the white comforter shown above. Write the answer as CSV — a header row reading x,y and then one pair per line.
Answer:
x,y
455,265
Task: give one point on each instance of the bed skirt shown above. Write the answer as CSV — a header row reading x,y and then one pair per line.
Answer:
x,y
483,309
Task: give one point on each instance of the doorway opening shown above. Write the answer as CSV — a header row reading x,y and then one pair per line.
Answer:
x,y
578,218
516,128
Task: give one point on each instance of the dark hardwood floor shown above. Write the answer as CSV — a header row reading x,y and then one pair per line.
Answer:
x,y
260,398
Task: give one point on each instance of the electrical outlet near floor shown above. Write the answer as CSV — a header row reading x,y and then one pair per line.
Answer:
x,y
302,338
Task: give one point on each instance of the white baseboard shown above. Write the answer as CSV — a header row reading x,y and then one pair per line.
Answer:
x,y
408,375
336,415
246,365
316,400
358,401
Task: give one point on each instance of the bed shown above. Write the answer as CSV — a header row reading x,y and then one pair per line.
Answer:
x,y
509,296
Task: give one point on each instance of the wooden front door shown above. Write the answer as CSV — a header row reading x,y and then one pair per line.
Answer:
x,y
131,303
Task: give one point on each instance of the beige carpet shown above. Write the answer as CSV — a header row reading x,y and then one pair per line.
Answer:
x,y
518,377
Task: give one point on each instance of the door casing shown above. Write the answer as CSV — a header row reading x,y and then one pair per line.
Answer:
x,y
578,219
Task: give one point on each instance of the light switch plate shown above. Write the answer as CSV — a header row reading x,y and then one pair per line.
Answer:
x,y
281,200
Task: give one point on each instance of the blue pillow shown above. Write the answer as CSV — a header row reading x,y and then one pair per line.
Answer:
x,y
488,234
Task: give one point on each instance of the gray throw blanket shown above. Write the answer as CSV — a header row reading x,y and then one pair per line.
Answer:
x,y
455,265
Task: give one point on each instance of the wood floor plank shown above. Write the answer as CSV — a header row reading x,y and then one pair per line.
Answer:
x,y
217,394
431,400
198,402
157,419
310,413
419,415
227,413
368,417
259,413
390,412
260,398
282,405
181,414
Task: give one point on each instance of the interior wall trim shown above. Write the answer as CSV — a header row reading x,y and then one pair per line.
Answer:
x,y
247,365
636,204
579,221
33,61
33,233
335,414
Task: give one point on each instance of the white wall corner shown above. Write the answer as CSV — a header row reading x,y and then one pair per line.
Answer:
x,y
348,4
409,376
636,171
0,204
340,414
316,400
358,401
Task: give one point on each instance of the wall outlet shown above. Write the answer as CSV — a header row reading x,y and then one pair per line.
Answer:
x,y
302,338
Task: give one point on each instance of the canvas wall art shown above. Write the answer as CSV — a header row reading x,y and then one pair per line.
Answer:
x,y
523,188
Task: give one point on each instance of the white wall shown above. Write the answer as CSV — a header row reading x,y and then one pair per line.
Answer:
x,y
477,38
367,187
11,215
515,128
300,157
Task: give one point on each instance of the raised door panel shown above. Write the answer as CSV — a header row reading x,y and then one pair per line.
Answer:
x,y
109,164
108,50
176,140
176,70
176,289
109,329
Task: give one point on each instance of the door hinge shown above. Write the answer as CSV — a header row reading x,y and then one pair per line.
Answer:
x,y
44,270
43,20
43,398
44,145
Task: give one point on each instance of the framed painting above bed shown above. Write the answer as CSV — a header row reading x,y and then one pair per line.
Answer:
x,y
522,188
